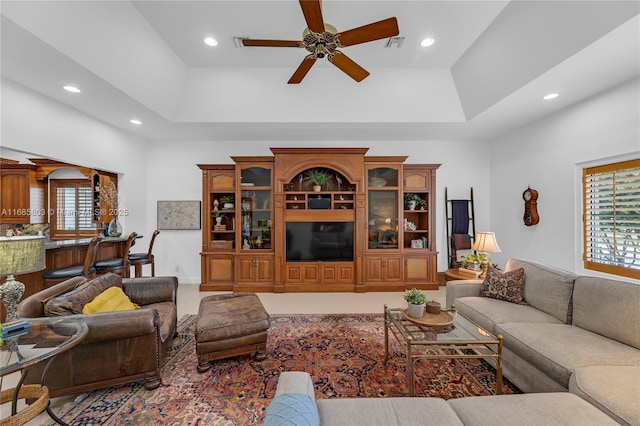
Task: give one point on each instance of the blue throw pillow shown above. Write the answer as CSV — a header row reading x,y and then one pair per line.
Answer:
x,y
292,409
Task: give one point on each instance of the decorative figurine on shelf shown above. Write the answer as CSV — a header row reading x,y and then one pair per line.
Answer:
x,y
339,180
245,244
216,203
300,179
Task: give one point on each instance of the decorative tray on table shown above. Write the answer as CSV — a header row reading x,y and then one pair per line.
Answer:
x,y
443,319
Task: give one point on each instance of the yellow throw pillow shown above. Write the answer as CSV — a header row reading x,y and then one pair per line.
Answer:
x,y
112,299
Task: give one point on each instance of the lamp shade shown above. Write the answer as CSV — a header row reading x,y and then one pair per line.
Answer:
x,y
486,242
21,255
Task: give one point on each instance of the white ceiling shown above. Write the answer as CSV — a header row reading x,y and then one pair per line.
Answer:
x,y
491,64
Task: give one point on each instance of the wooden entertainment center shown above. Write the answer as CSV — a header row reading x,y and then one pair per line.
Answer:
x,y
358,234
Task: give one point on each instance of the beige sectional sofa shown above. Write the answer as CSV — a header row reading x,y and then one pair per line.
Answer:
x,y
561,408
574,348
576,333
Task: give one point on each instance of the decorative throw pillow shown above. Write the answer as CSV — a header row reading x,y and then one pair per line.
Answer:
x,y
112,299
73,301
507,286
292,409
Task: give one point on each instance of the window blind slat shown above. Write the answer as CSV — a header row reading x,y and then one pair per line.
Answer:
x,y
612,218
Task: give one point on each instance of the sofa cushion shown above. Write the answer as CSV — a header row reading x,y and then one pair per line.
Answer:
x,y
488,312
507,286
110,300
554,408
292,409
608,307
546,288
72,302
614,390
559,349
386,412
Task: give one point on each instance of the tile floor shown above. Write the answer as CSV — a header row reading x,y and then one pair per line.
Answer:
x,y
277,303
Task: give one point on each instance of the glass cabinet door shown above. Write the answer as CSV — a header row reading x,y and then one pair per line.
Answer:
x,y
382,184
255,208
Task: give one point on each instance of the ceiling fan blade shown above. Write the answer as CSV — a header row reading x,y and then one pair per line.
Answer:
x,y
302,70
352,69
313,15
249,42
375,31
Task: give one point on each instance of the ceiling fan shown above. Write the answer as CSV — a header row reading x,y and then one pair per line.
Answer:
x,y
323,40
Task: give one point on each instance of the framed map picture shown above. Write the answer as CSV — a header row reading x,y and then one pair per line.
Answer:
x,y
181,215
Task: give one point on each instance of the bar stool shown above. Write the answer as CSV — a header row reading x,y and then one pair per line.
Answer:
x,y
117,265
87,269
139,259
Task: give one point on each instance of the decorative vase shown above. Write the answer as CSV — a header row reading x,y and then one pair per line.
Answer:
x,y
412,205
115,229
415,311
219,220
316,188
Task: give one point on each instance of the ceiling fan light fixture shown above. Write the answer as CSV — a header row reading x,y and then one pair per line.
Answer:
x,y
328,28
550,96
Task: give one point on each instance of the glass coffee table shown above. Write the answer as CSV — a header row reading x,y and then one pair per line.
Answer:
x,y
446,336
44,339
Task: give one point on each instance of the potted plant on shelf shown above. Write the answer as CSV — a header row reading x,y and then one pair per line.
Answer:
x,y
317,178
414,200
227,202
416,301
218,216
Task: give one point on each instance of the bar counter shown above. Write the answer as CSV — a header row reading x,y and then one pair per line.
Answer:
x,y
65,253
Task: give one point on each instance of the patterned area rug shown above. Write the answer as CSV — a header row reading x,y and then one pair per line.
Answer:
x,y
343,354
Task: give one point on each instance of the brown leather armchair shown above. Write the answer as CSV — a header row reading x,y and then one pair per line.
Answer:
x,y
122,346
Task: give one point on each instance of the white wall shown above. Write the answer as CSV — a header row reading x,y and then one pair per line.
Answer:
x,y
33,126
547,155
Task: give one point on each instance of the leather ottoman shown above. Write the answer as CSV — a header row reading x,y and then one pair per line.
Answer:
x,y
229,325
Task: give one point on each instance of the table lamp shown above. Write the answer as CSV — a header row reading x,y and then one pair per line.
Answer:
x,y
18,255
486,243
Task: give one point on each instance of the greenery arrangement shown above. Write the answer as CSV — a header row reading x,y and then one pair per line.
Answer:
x,y
318,177
218,214
226,199
408,197
415,297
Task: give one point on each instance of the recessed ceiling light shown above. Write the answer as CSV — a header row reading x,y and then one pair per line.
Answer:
x,y
427,42
550,96
210,41
135,121
72,89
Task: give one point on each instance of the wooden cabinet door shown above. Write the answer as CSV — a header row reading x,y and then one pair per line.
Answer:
x,y
383,269
420,270
217,272
254,269
14,196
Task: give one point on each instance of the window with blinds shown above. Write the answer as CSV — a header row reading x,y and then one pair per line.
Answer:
x,y
71,216
612,218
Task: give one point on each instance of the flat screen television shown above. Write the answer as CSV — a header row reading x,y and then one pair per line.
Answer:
x,y
319,242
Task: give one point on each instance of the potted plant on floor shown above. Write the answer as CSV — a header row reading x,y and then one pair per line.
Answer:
x,y
317,178
416,301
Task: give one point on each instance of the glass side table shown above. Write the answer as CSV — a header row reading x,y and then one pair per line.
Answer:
x,y
460,339
45,339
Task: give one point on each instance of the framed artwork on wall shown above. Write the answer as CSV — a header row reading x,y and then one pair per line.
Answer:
x,y
179,215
